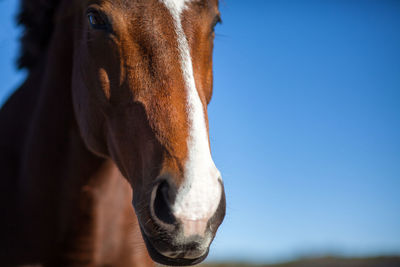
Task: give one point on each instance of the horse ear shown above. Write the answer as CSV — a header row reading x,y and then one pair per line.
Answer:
x,y
36,16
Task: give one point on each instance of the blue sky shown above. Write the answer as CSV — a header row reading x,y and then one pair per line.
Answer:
x,y
304,125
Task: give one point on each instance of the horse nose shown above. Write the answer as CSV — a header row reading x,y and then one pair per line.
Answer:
x,y
187,231
163,196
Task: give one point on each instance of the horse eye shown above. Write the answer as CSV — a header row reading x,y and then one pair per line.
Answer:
x,y
96,21
217,20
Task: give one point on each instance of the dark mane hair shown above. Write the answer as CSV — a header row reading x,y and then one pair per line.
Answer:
x,y
37,18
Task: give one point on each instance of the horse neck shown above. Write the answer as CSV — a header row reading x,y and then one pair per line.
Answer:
x,y
53,138
67,194
55,163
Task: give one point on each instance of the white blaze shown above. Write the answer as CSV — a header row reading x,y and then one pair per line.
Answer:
x,y
200,193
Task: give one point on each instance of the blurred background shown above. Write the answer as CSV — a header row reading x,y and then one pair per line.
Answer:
x,y
304,126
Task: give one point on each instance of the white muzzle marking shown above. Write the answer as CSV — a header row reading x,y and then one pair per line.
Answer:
x,y
199,195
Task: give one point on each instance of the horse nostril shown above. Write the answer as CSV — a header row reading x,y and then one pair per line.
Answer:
x,y
162,204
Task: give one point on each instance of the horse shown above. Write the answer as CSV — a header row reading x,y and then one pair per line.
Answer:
x,y
105,156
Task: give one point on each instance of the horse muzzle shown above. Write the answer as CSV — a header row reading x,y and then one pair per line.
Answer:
x,y
174,240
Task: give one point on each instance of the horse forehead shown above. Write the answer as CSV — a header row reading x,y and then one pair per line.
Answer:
x,y
177,6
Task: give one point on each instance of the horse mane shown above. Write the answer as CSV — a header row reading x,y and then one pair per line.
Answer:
x,y
37,18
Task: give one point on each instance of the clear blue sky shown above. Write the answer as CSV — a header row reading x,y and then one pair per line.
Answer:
x,y
305,125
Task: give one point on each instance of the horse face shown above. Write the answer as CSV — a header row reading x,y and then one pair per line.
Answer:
x,y
142,82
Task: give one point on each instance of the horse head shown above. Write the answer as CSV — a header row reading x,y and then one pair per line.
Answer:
x,y
142,80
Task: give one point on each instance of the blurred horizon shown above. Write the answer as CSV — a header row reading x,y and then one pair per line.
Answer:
x,y
304,126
